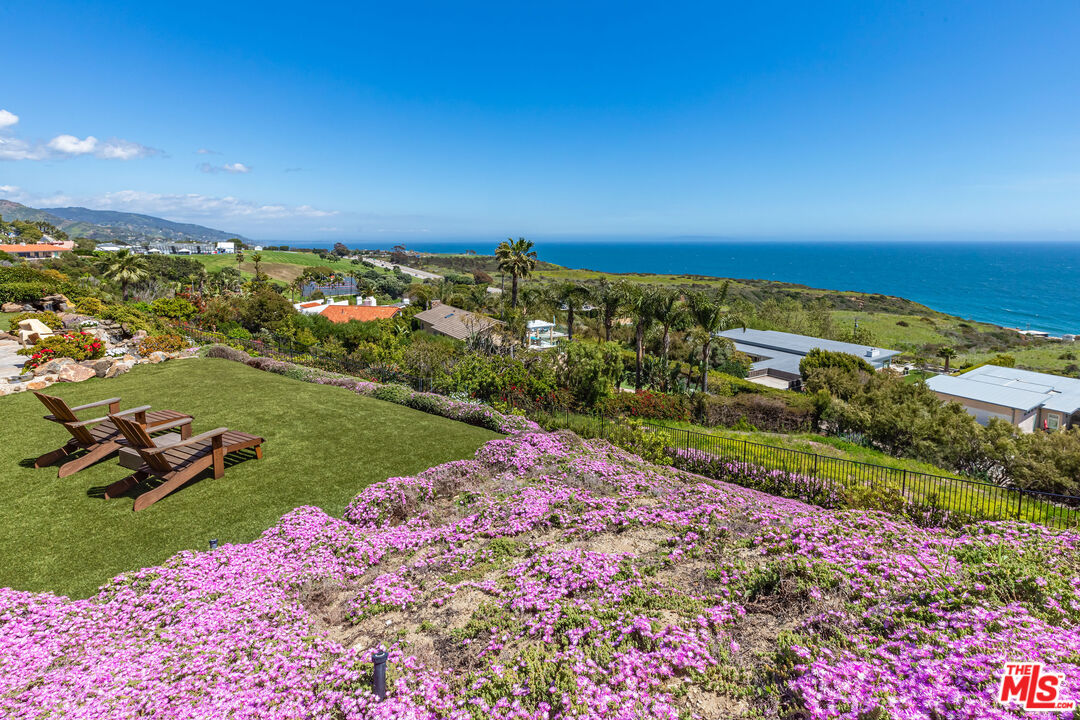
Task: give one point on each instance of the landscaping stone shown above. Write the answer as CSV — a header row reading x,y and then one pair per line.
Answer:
x,y
75,373
15,308
118,369
53,367
102,366
8,336
39,383
139,336
156,357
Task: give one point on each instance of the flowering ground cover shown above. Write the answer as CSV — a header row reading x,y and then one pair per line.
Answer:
x,y
549,577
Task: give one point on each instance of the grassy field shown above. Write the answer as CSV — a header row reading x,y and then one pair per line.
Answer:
x,y
920,330
1057,358
323,445
4,317
278,264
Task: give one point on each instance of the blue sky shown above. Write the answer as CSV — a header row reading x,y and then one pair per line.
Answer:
x,y
443,120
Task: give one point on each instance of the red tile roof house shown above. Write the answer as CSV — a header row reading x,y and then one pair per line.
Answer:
x,y
39,251
361,313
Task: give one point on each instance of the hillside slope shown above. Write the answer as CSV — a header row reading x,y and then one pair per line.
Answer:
x,y
551,578
112,225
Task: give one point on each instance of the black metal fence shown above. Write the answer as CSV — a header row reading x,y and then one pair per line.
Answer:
x,y
819,478
831,481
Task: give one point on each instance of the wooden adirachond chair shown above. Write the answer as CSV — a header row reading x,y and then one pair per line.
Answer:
x,y
99,436
173,463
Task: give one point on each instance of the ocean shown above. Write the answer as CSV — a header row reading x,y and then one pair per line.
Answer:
x,y
1029,285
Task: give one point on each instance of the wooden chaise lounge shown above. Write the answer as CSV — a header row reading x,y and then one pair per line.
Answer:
x,y
99,436
174,463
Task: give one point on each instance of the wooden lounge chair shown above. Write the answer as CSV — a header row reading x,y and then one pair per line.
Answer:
x,y
177,463
98,436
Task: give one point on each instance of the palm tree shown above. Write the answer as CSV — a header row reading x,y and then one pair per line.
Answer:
x,y
517,258
239,256
669,310
609,298
572,296
712,316
297,285
641,302
946,354
125,268
257,259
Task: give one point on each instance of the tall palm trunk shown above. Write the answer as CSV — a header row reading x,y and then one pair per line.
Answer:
x,y
665,347
639,342
513,290
705,365
570,321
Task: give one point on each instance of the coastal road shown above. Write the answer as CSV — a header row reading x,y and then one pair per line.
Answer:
x,y
422,274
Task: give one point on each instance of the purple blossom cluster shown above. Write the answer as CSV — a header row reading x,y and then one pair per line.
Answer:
x,y
550,577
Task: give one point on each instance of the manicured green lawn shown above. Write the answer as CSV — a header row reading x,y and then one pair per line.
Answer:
x,y
323,445
4,317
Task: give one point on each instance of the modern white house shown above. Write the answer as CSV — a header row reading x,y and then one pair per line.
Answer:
x,y
776,355
1030,400
543,334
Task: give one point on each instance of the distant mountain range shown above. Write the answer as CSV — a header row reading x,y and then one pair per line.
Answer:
x,y
109,225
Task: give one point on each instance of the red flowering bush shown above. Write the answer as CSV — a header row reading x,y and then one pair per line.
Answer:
x,y
74,345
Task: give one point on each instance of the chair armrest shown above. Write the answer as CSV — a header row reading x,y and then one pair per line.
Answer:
x,y
182,443
85,422
170,425
132,411
87,406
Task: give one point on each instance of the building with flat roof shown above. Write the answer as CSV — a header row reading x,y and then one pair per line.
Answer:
x,y
775,356
1029,400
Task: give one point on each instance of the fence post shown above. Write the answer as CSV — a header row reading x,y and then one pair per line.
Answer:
x,y
1019,504
903,482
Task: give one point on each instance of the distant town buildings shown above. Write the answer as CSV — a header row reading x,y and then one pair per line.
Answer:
x,y
172,247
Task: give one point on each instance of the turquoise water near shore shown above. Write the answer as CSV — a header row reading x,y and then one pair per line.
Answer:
x,y
1030,285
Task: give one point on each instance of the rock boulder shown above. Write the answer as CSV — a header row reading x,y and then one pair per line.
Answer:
x,y
75,373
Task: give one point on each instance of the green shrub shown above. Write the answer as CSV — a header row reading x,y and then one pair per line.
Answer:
x,y
75,345
394,393
90,306
162,343
47,316
173,308
818,358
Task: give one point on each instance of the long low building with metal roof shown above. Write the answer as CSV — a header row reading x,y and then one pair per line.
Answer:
x,y
776,355
1029,400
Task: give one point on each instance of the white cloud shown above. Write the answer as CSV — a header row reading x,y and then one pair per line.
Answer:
x,y
65,145
205,151
18,149
234,168
9,189
194,206
71,145
117,149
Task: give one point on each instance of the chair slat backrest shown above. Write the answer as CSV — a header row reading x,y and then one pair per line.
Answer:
x,y
57,407
140,440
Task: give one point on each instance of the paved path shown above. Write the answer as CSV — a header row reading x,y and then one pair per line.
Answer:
x,y
10,363
422,274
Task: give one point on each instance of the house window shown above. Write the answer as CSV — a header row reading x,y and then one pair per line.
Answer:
x,y
1053,421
